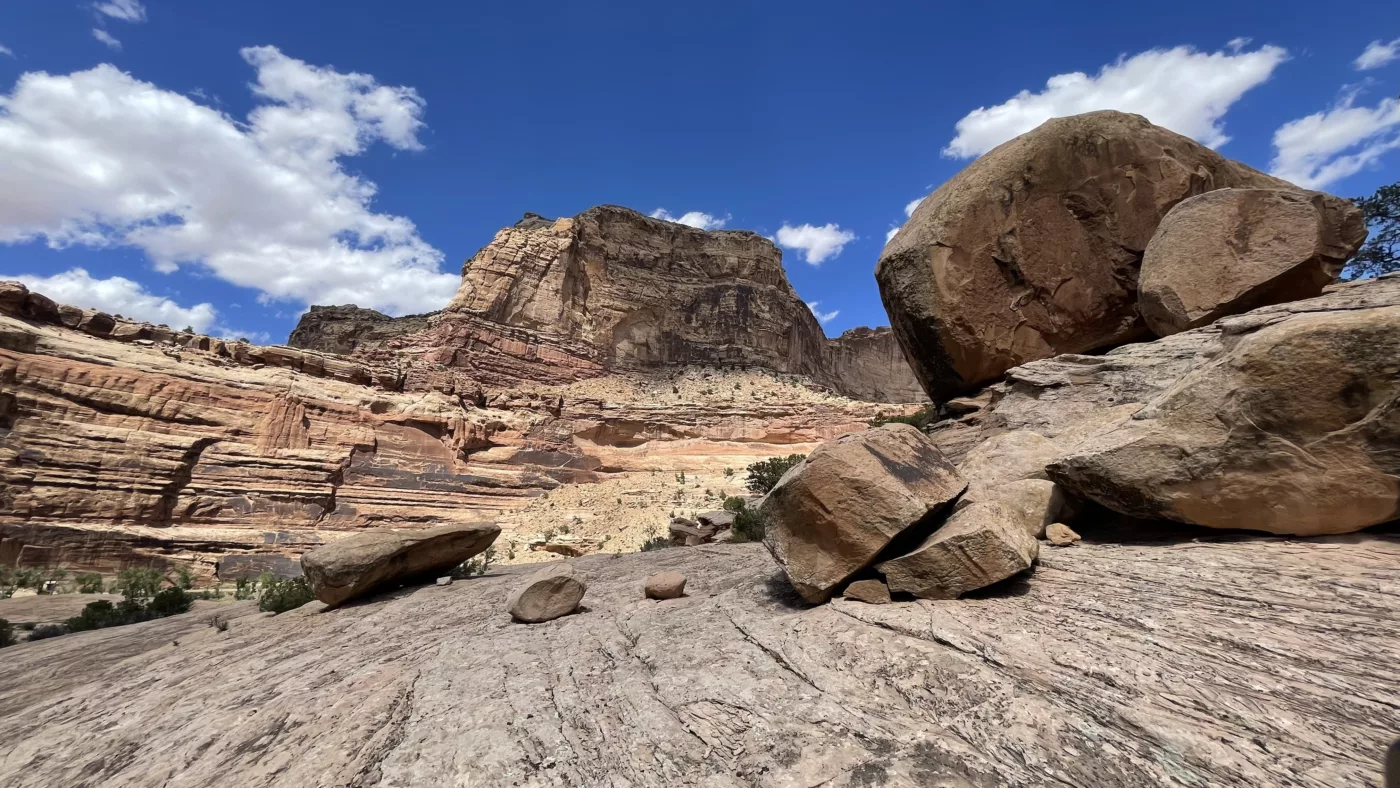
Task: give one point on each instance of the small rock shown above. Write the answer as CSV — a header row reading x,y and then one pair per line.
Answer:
x,y
548,594
1060,535
444,581
980,545
665,585
871,592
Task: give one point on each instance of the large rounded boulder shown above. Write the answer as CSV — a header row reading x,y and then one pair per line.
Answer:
x,y
1033,250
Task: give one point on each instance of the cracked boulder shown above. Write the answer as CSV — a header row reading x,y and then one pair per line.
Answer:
x,y
982,544
377,560
1293,429
1231,250
832,514
550,593
1036,502
1033,249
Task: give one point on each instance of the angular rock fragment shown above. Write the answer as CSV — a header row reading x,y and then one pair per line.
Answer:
x,y
360,564
978,546
1060,535
829,516
1232,250
871,592
547,594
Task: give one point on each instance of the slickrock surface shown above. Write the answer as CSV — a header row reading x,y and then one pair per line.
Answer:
x,y
1033,249
612,290
1226,661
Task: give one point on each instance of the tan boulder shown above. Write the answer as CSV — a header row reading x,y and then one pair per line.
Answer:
x,y
871,592
665,585
1035,502
978,546
1231,250
547,594
1060,535
830,515
360,564
1293,430
1033,249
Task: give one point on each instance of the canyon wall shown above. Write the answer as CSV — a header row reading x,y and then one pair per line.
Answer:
x,y
612,290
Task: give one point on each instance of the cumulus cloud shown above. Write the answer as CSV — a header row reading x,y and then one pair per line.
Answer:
x,y
909,209
1181,88
822,317
1327,146
890,233
125,10
817,244
4,50
1377,54
704,221
119,296
106,38
98,158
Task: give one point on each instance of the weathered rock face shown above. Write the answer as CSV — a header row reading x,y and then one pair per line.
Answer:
x,y
1231,250
129,444
360,564
1033,250
1294,430
611,289
832,514
739,685
548,594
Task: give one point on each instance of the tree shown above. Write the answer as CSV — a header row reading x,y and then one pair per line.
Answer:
x,y
1381,254
765,474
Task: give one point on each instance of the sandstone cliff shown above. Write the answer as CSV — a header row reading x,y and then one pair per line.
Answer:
x,y
612,290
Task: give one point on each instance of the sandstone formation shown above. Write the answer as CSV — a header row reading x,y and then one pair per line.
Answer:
x,y
1231,250
979,545
1033,250
360,564
1292,430
1037,502
664,585
1119,666
871,592
611,290
832,514
126,444
548,594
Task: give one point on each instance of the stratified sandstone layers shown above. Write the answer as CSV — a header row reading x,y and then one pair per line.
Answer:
x,y
612,290
123,443
1033,250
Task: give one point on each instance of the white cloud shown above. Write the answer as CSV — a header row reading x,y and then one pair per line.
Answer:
x,y
118,296
890,233
703,221
4,50
98,158
909,209
1377,54
1182,89
1327,146
106,38
822,317
817,243
125,10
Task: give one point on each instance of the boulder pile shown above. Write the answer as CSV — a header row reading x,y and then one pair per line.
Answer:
x,y
1081,235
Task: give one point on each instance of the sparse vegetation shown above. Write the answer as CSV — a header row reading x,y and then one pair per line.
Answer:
x,y
748,523
764,474
46,631
89,583
1381,253
7,633
477,565
655,541
279,596
921,418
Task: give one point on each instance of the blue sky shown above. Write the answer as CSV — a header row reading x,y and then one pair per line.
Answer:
x,y
225,164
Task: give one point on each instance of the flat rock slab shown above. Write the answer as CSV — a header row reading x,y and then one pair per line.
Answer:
x,y
361,564
1230,661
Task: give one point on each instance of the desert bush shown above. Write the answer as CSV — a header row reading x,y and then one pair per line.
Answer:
x,y
138,582
921,418
476,565
656,543
7,633
748,523
279,596
89,583
734,503
46,631
244,588
764,474
169,602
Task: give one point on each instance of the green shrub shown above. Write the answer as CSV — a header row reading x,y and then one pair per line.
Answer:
x,y
169,602
476,565
7,634
243,588
748,523
186,578
102,614
656,543
90,583
138,582
764,474
279,596
46,631
921,418
734,503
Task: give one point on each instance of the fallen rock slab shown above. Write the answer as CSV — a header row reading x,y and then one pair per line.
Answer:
x,y
1060,535
665,585
871,592
1034,248
832,514
1293,430
1035,503
1232,250
978,546
548,594
361,564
